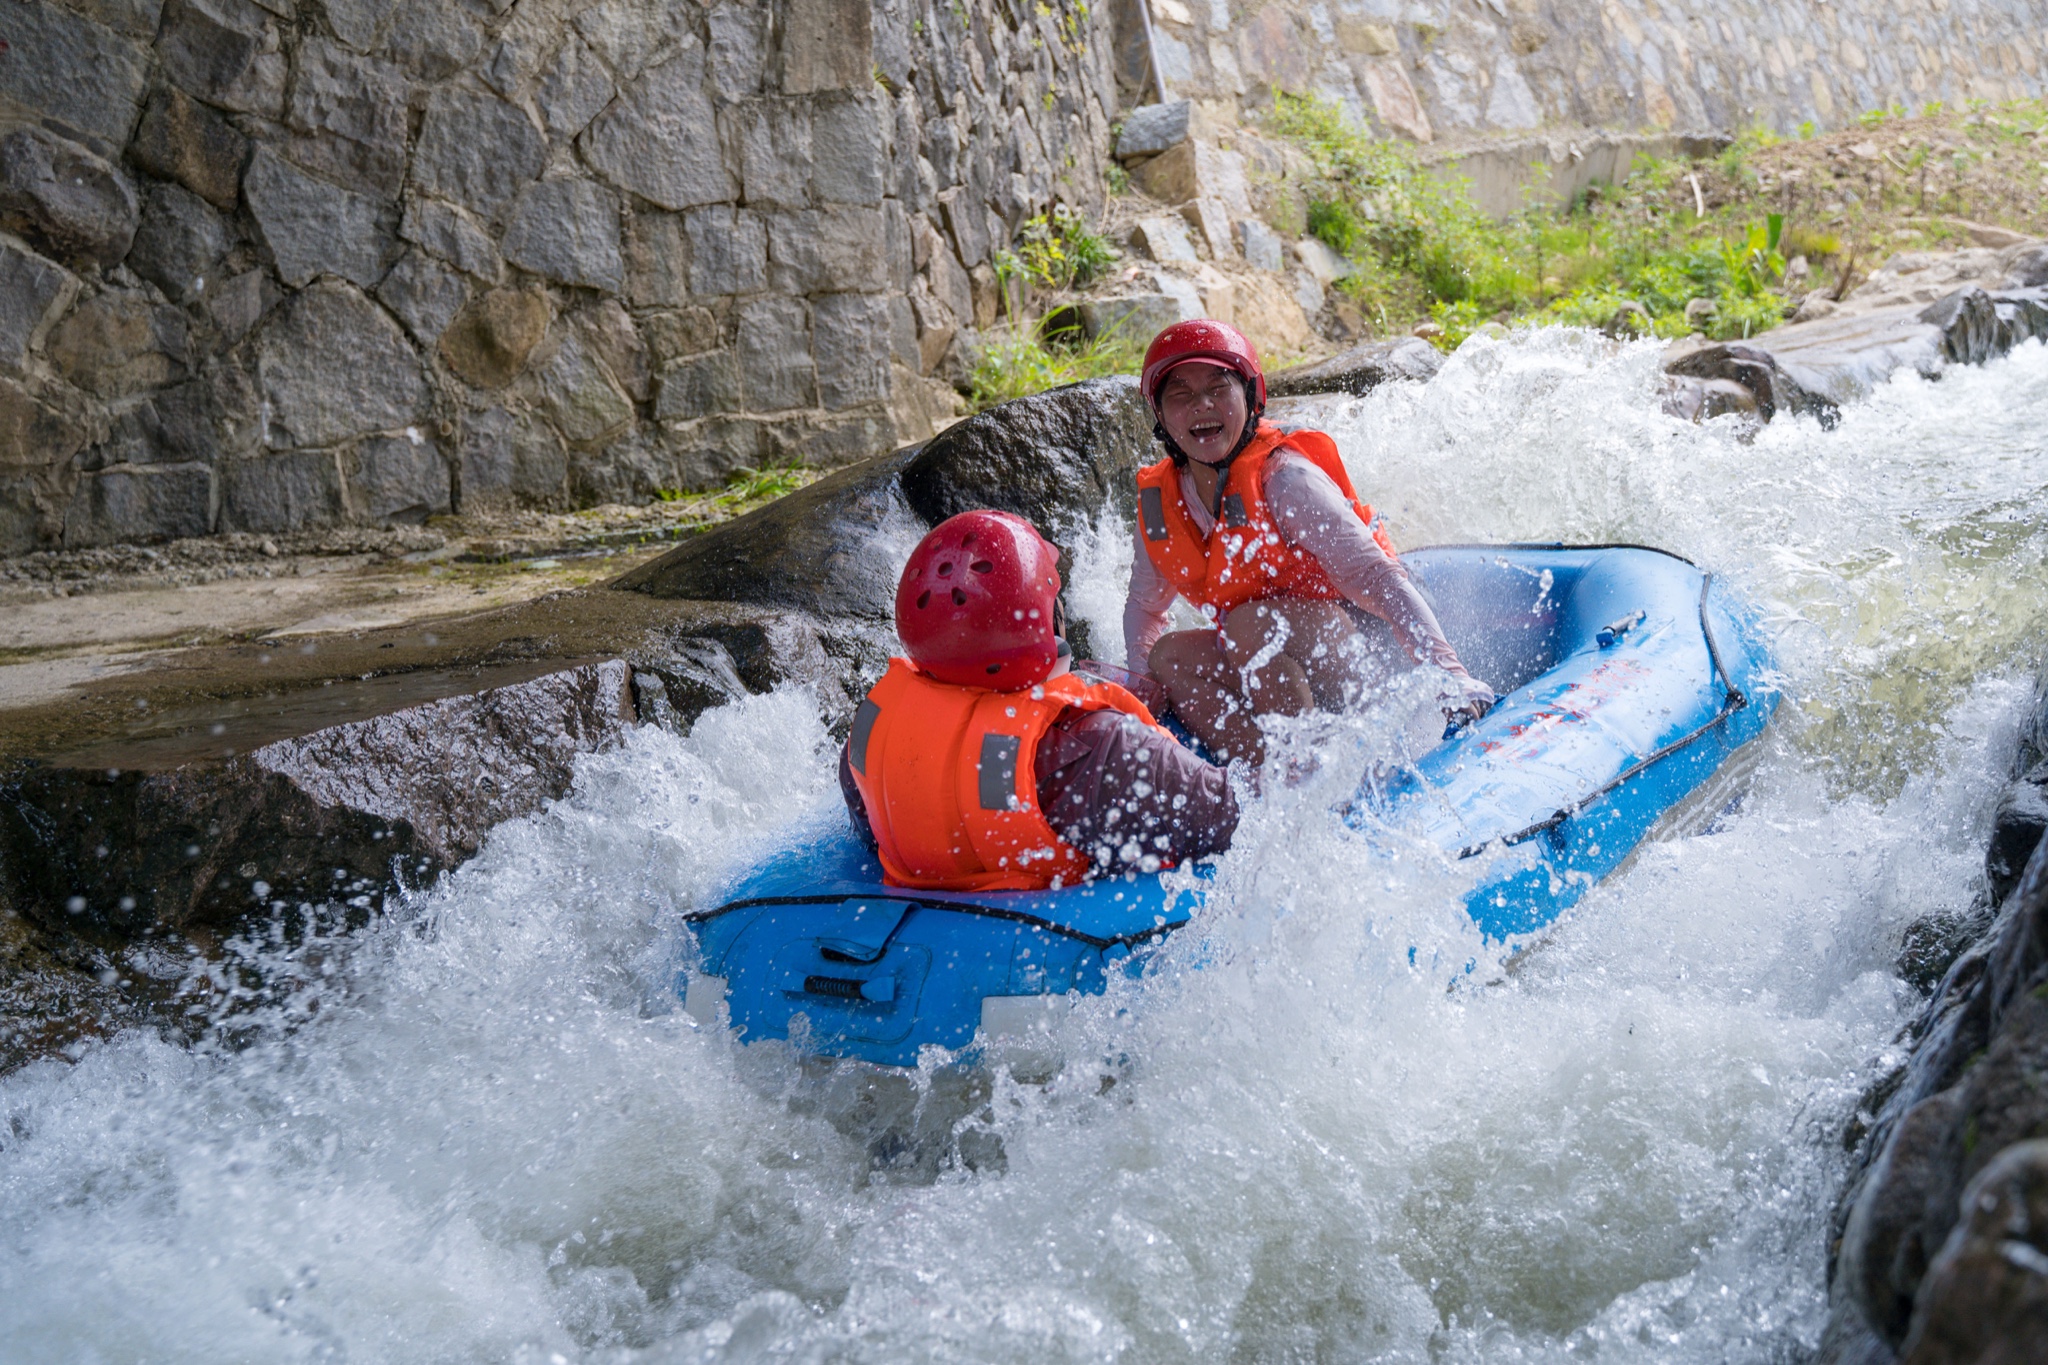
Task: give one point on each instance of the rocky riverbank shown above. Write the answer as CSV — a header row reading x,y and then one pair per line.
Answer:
x,y
1941,1236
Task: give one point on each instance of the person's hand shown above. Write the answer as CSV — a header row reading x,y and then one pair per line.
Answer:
x,y
1466,701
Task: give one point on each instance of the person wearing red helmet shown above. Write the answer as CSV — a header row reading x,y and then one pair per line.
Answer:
x,y
1261,529
983,762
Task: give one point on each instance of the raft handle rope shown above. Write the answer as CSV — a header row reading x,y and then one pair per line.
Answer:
x,y
1733,699
1096,941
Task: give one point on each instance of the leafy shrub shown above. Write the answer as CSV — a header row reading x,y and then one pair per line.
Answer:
x,y
1018,360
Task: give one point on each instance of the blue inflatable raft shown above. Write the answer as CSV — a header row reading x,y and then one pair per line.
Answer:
x,y
1628,680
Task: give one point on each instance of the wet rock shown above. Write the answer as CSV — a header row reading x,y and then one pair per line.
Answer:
x,y
401,480
1773,387
424,294
115,344
1970,1090
181,139
332,366
74,70
1985,1297
341,812
140,504
1361,369
449,233
1054,458
833,549
476,150
2025,267
491,340
33,293
659,139
181,242
568,231
64,199
2017,828
314,228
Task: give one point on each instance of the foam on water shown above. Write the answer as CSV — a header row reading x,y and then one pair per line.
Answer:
x,y
498,1139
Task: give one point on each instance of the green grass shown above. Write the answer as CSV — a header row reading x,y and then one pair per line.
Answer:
x,y
1021,359
1420,245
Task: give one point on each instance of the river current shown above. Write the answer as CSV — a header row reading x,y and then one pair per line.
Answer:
x,y
484,1130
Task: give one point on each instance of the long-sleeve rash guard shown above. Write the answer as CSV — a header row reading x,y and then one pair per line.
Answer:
x,y
1313,514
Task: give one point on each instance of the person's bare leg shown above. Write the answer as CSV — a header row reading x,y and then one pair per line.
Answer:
x,y
1292,654
1191,667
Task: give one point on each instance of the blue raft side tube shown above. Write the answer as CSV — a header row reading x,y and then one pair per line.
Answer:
x,y
1628,678
1646,680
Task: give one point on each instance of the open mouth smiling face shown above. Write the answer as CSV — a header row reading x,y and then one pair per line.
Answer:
x,y
1202,406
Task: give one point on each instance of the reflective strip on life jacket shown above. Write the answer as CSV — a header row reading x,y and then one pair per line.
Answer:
x,y
1243,558
949,780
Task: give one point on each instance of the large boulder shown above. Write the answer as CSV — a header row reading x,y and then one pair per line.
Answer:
x,y
835,548
1361,369
190,834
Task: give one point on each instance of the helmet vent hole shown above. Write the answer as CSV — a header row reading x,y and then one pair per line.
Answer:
x,y
982,566
924,599
946,569
994,668
959,598
967,540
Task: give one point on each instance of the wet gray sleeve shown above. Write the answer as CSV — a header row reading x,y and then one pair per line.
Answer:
x,y
1312,513
1118,790
1146,606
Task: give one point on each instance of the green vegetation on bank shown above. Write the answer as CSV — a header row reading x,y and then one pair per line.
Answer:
x,y
1708,235
1725,245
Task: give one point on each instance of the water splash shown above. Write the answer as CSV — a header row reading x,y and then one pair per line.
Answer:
x,y
492,1136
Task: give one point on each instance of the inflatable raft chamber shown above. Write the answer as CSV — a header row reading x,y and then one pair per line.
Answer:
x,y
1628,681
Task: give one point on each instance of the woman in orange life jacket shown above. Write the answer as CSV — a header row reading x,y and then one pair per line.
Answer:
x,y
984,762
1261,530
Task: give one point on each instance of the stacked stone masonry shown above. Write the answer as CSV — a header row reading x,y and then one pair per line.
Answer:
x,y
277,264
1464,70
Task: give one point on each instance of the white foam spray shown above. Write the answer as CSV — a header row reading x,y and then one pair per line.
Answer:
x,y
498,1139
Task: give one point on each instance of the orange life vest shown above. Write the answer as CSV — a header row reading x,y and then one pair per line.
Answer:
x,y
1244,558
948,775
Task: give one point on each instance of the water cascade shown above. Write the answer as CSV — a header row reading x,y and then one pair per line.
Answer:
x,y
485,1130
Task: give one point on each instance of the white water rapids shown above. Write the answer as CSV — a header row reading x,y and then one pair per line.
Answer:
x,y
497,1138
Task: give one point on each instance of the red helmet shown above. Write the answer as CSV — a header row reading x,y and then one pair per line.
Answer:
x,y
975,606
1203,339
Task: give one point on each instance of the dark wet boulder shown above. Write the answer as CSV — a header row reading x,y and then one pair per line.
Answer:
x,y
1727,366
833,549
1973,1088
1360,370
1054,458
1985,1297
186,836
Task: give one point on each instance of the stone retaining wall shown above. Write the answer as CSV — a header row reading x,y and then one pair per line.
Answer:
x,y
1464,70
267,266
